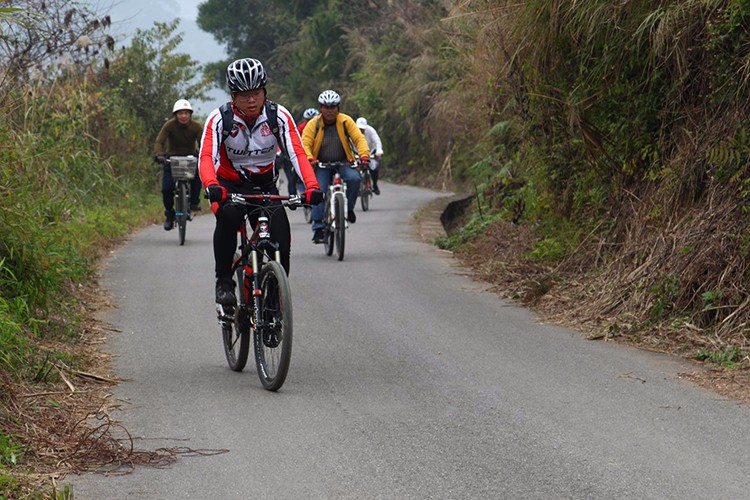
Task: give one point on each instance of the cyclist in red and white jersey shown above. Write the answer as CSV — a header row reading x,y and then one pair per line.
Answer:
x,y
243,160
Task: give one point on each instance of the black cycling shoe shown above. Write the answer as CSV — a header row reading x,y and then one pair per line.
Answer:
x,y
195,208
319,236
168,223
376,190
352,217
225,293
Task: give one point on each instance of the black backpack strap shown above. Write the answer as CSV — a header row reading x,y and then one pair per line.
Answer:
x,y
227,119
272,114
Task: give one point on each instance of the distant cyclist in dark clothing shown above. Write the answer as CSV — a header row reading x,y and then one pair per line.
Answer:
x,y
179,136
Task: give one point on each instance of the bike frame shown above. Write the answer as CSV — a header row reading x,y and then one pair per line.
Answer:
x,y
263,316
365,189
182,180
254,249
337,186
179,213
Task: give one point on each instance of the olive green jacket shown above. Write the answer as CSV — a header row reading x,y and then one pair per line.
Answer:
x,y
178,140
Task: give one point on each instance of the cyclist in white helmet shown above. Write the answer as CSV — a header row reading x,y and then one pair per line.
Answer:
x,y
238,156
179,136
326,139
307,115
376,149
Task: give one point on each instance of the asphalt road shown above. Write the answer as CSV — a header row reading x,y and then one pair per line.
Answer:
x,y
408,380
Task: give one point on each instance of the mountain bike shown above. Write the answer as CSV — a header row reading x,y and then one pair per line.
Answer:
x,y
335,211
365,189
264,298
183,172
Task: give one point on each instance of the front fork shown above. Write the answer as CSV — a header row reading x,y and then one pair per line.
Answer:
x,y
179,209
337,186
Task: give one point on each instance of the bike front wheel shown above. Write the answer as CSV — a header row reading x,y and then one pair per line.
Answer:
x,y
273,335
183,205
340,232
236,333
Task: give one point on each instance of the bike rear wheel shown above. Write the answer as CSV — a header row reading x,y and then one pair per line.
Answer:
x,y
366,192
340,233
273,336
182,208
236,335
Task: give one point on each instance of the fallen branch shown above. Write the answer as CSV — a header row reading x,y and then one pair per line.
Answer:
x,y
65,379
95,377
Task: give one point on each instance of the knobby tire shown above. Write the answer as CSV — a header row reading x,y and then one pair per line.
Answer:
x,y
273,337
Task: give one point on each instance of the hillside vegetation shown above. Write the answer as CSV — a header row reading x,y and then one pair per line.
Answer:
x,y
606,145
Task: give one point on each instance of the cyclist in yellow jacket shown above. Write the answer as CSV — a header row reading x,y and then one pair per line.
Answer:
x,y
328,138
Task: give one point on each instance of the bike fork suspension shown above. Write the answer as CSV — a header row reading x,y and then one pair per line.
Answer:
x,y
255,292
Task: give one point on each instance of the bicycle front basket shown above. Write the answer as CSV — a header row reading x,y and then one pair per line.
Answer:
x,y
183,167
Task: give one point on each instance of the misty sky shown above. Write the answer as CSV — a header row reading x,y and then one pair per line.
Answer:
x,y
129,15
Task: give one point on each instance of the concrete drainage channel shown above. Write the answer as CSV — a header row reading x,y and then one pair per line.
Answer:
x,y
441,217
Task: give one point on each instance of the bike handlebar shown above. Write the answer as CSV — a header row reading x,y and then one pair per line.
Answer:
x,y
244,199
335,164
166,158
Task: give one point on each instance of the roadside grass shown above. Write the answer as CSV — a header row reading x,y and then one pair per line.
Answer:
x,y
62,206
466,234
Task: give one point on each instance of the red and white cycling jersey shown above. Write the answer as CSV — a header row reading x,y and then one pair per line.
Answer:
x,y
250,150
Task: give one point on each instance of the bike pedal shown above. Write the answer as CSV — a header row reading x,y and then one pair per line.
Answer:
x,y
224,315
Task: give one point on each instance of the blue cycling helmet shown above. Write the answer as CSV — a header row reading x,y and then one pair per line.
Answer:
x,y
309,113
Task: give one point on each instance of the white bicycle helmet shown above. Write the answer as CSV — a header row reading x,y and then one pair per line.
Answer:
x,y
309,113
245,74
181,104
361,122
329,98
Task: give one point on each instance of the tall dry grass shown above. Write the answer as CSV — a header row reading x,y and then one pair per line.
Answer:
x,y
622,128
